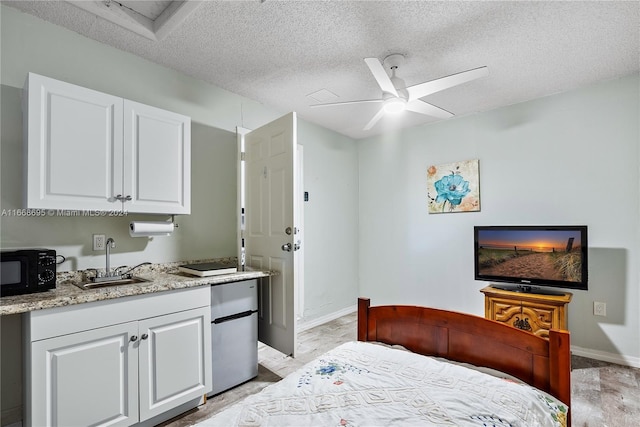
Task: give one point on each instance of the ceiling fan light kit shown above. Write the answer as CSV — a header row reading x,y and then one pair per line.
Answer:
x,y
394,105
397,97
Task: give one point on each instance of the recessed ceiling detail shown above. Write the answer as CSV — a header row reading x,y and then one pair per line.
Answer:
x,y
323,95
151,19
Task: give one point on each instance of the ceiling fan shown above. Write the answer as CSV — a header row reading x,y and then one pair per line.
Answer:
x,y
397,97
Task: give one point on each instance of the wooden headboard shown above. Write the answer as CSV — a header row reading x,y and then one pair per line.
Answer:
x,y
545,364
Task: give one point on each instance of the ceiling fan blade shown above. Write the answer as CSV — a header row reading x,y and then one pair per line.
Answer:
x,y
418,106
331,104
433,86
374,119
381,76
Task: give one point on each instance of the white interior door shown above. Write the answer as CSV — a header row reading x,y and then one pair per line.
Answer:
x,y
270,227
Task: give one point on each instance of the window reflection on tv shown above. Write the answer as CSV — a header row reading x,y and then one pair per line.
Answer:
x,y
532,255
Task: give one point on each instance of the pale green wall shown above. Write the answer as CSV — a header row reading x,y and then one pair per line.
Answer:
x,y
571,158
331,221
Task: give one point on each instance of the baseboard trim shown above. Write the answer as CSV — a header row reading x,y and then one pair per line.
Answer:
x,y
605,356
308,324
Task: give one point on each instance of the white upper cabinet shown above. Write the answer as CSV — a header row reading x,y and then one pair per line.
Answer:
x,y
157,160
87,150
74,146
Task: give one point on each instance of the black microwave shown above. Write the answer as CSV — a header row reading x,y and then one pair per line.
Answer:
x,y
25,271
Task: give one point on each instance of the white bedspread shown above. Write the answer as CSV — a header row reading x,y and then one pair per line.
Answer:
x,y
364,384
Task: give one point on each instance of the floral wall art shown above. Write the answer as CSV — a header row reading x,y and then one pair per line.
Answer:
x,y
454,187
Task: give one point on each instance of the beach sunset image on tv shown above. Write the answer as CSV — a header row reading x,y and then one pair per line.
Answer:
x,y
541,254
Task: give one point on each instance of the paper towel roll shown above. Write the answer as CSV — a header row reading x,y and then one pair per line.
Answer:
x,y
150,228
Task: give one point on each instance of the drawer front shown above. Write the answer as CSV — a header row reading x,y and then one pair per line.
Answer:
x,y
533,318
42,324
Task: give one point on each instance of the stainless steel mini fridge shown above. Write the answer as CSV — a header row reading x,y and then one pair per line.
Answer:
x,y
234,333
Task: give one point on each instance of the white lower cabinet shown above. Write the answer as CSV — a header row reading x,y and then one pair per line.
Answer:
x,y
144,369
86,379
171,361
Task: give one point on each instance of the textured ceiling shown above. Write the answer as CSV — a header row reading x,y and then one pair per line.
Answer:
x,y
278,52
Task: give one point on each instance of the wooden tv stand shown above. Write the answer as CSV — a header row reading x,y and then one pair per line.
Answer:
x,y
535,313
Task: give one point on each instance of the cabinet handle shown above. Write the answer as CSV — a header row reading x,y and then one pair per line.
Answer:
x,y
123,198
522,323
133,338
144,336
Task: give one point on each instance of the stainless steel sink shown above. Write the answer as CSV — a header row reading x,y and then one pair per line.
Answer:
x,y
110,283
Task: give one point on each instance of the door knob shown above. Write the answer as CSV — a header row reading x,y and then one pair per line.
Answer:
x,y
287,247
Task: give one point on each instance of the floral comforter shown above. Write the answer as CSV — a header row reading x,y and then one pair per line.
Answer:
x,y
365,384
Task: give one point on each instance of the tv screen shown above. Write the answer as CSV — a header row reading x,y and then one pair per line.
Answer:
x,y
528,256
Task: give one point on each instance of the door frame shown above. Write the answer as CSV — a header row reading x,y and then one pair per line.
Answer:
x,y
240,187
299,260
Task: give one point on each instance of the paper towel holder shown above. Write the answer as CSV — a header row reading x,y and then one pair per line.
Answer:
x,y
152,228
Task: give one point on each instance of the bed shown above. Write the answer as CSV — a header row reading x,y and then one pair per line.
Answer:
x,y
478,372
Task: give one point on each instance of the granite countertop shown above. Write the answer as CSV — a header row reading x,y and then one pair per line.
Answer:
x,y
161,277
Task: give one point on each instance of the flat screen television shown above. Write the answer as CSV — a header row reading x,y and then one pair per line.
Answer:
x,y
530,257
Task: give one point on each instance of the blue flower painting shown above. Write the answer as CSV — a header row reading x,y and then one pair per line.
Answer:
x,y
453,187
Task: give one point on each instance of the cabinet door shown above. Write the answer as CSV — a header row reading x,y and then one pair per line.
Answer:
x,y
157,160
540,319
175,360
85,379
74,146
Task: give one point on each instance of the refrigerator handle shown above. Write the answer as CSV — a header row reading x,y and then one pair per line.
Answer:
x,y
233,317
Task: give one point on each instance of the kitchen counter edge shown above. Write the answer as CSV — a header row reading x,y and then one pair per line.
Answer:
x,y
66,293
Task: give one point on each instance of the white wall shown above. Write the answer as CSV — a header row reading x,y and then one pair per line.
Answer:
x,y
572,158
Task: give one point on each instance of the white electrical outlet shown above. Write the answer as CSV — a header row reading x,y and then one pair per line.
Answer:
x,y
99,242
599,308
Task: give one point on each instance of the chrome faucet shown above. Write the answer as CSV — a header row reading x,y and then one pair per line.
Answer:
x,y
109,244
108,274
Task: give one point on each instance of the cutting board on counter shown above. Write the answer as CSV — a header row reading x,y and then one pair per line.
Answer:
x,y
208,269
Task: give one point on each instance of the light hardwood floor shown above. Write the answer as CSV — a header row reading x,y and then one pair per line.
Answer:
x,y
604,394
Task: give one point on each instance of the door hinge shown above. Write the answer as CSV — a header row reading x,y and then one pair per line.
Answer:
x,y
243,156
